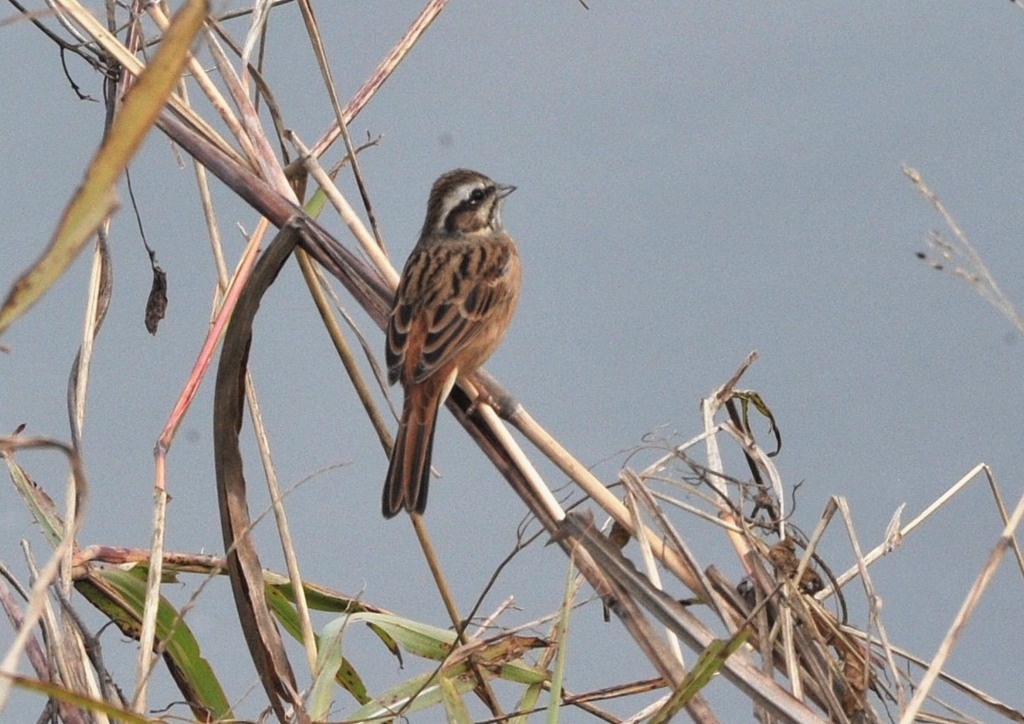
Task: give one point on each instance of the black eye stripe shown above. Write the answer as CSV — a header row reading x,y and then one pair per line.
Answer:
x,y
476,197
473,209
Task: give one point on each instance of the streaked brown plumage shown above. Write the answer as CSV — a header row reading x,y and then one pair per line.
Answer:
x,y
455,300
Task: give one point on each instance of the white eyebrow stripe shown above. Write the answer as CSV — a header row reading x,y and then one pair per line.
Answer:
x,y
456,196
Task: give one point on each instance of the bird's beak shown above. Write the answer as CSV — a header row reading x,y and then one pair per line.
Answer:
x,y
503,191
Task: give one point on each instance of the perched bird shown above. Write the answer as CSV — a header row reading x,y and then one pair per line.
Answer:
x,y
455,300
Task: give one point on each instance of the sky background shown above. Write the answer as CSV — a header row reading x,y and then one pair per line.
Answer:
x,y
695,181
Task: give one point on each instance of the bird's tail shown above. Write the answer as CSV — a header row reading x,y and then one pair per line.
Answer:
x,y
409,472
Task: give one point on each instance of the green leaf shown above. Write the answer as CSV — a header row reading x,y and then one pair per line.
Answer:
x,y
454,705
56,691
328,663
281,604
39,504
121,596
710,663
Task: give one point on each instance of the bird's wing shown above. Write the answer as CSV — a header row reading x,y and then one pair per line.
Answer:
x,y
447,294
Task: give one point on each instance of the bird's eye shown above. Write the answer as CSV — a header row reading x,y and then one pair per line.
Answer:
x,y
476,196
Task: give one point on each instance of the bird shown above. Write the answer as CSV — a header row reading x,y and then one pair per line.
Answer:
x,y
455,301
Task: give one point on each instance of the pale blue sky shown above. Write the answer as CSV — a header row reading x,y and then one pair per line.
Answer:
x,y
695,181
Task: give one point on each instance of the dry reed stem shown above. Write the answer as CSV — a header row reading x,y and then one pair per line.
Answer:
x,y
271,170
313,31
131,64
887,545
209,88
63,640
634,490
348,215
382,72
51,570
205,356
956,629
483,688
